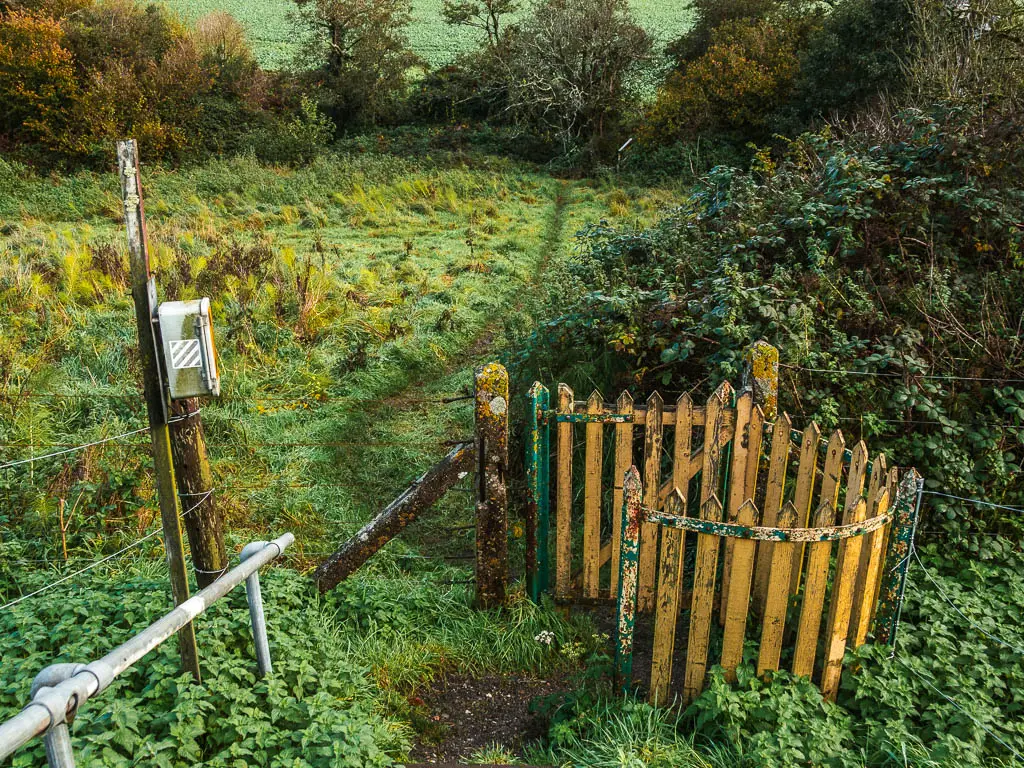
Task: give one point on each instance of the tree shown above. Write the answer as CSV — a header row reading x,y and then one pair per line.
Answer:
x,y
479,14
37,79
363,51
574,65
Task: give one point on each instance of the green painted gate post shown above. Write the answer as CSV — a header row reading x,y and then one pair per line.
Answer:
x,y
632,517
894,578
538,463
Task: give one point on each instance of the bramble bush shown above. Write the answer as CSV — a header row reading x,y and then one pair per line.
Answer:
x,y
902,259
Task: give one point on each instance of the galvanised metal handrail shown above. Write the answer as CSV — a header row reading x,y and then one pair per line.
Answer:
x,y
60,689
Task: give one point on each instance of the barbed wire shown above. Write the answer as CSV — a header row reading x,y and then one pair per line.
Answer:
x,y
228,398
882,374
72,449
974,501
103,560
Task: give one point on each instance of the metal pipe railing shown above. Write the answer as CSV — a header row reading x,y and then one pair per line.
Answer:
x,y
60,689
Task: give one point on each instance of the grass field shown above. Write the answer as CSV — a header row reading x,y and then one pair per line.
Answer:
x,y
273,32
349,296
346,293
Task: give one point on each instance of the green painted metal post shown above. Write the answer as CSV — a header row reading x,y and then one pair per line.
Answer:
x,y
894,577
629,560
538,462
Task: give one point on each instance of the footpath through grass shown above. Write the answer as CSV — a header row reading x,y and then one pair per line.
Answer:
x,y
349,296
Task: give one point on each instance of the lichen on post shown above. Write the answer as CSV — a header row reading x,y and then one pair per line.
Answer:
x,y
761,375
492,397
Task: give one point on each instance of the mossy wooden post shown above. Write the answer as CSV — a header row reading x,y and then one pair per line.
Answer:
x,y
144,296
492,494
629,557
396,516
761,376
538,455
203,523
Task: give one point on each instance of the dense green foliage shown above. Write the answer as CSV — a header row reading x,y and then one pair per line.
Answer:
x,y
900,259
344,665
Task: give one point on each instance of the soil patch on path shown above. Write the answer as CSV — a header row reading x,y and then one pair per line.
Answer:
x,y
464,715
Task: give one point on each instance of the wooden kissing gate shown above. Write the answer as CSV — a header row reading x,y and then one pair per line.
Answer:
x,y
761,504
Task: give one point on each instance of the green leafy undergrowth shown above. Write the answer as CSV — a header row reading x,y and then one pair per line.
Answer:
x,y
316,709
343,665
951,695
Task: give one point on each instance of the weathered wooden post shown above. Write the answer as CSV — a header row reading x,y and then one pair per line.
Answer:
x,y
761,376
144,296
396,516
538,515
492,494
203,523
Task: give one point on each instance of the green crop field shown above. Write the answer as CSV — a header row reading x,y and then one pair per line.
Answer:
x,y
272,28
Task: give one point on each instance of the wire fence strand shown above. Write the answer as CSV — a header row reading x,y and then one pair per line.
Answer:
x,y
103,560
964,616
883,374
73,449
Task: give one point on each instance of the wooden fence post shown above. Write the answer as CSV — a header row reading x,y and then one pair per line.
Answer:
x,y
144,296
203,523
393,519
492,495
761,376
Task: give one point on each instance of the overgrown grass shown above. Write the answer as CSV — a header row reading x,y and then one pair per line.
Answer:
x,y
349,296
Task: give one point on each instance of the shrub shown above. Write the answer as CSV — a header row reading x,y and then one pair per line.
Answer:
x,y
37,80
856,54
573,66
360,52
469,89
225,52
737,86
708,15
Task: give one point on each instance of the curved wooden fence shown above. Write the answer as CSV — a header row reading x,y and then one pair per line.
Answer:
x,y
736,529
